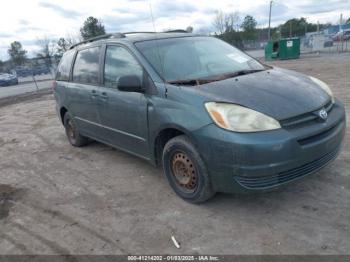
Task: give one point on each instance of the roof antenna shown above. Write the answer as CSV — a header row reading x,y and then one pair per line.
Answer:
x,y
151,10
158,48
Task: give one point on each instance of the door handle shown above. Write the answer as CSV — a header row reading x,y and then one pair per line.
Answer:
x,y
94,94
104,96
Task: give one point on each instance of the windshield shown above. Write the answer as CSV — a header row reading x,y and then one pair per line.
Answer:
x,y
193,58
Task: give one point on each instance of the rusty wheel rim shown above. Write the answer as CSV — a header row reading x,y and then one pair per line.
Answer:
x,y
184,172
71,131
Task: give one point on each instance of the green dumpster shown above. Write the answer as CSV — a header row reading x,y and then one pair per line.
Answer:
x,y
287,48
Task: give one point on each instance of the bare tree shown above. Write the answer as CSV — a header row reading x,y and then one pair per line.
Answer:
x,y
64,43
73,38
219,22
62,46
226,22
47,50
233,21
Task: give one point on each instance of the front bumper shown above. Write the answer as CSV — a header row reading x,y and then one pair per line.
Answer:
x,y
258,161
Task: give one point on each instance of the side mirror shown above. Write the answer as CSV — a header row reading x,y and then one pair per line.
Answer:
x,y
130,83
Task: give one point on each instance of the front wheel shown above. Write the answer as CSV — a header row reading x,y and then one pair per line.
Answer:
x,y
185,171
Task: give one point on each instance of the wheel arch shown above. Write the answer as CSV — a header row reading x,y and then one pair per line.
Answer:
x,y
63,111
163,135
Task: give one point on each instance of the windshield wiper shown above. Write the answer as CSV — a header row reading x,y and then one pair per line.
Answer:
x,y
190,82
200,81
240,73
234,74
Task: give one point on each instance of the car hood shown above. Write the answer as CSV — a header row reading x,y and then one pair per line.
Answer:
x,y
278,93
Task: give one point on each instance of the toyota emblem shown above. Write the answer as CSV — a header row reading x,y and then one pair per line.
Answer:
x,y
323,114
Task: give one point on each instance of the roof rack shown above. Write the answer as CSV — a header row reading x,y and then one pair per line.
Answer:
x,y
176,31
140,32
93,39
150,32
121,35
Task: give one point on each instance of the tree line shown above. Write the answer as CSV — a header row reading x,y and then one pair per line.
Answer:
x,y
232,29
52,50
228,26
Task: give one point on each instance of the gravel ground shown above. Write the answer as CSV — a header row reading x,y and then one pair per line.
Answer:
x,y
56,199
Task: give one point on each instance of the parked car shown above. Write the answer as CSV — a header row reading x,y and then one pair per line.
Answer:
x,y
214,118
328,42
41,70
23,72
342,35
8,79
346,35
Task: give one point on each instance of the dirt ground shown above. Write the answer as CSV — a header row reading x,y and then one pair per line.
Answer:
x,y
97,200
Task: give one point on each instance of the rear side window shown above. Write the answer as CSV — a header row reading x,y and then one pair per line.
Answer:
x,y
119,62
64,67
86,67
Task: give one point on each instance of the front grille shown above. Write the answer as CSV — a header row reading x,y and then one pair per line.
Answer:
x,y
265,182
317,137
305,118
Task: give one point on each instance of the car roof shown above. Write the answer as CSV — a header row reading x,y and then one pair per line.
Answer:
x,y
132,37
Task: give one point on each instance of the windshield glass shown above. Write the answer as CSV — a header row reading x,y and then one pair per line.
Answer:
x,y
188,58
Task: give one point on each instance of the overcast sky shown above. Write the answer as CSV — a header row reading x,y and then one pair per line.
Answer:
x,y
29,20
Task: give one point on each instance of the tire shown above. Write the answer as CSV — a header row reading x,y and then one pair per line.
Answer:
x,y
186,171
73,135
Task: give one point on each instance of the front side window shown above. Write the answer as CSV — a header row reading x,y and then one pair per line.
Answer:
x,y
63,70
119,62
188,58
86,67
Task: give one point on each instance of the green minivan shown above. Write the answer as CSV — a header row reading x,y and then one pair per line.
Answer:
x,y
216,119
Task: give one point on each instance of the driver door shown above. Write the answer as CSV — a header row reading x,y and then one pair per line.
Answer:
x,y
123,114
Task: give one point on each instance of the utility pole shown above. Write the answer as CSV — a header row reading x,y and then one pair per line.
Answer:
x,y
341,22
306,25
305,28
341,33
269,36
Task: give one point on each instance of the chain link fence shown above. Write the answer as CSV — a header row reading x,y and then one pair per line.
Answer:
x,y
308,44
34,75
323,44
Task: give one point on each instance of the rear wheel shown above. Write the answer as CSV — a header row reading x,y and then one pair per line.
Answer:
x,y
73,135
185,171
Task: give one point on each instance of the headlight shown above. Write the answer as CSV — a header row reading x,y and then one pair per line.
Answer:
x,y
324,86
240,119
